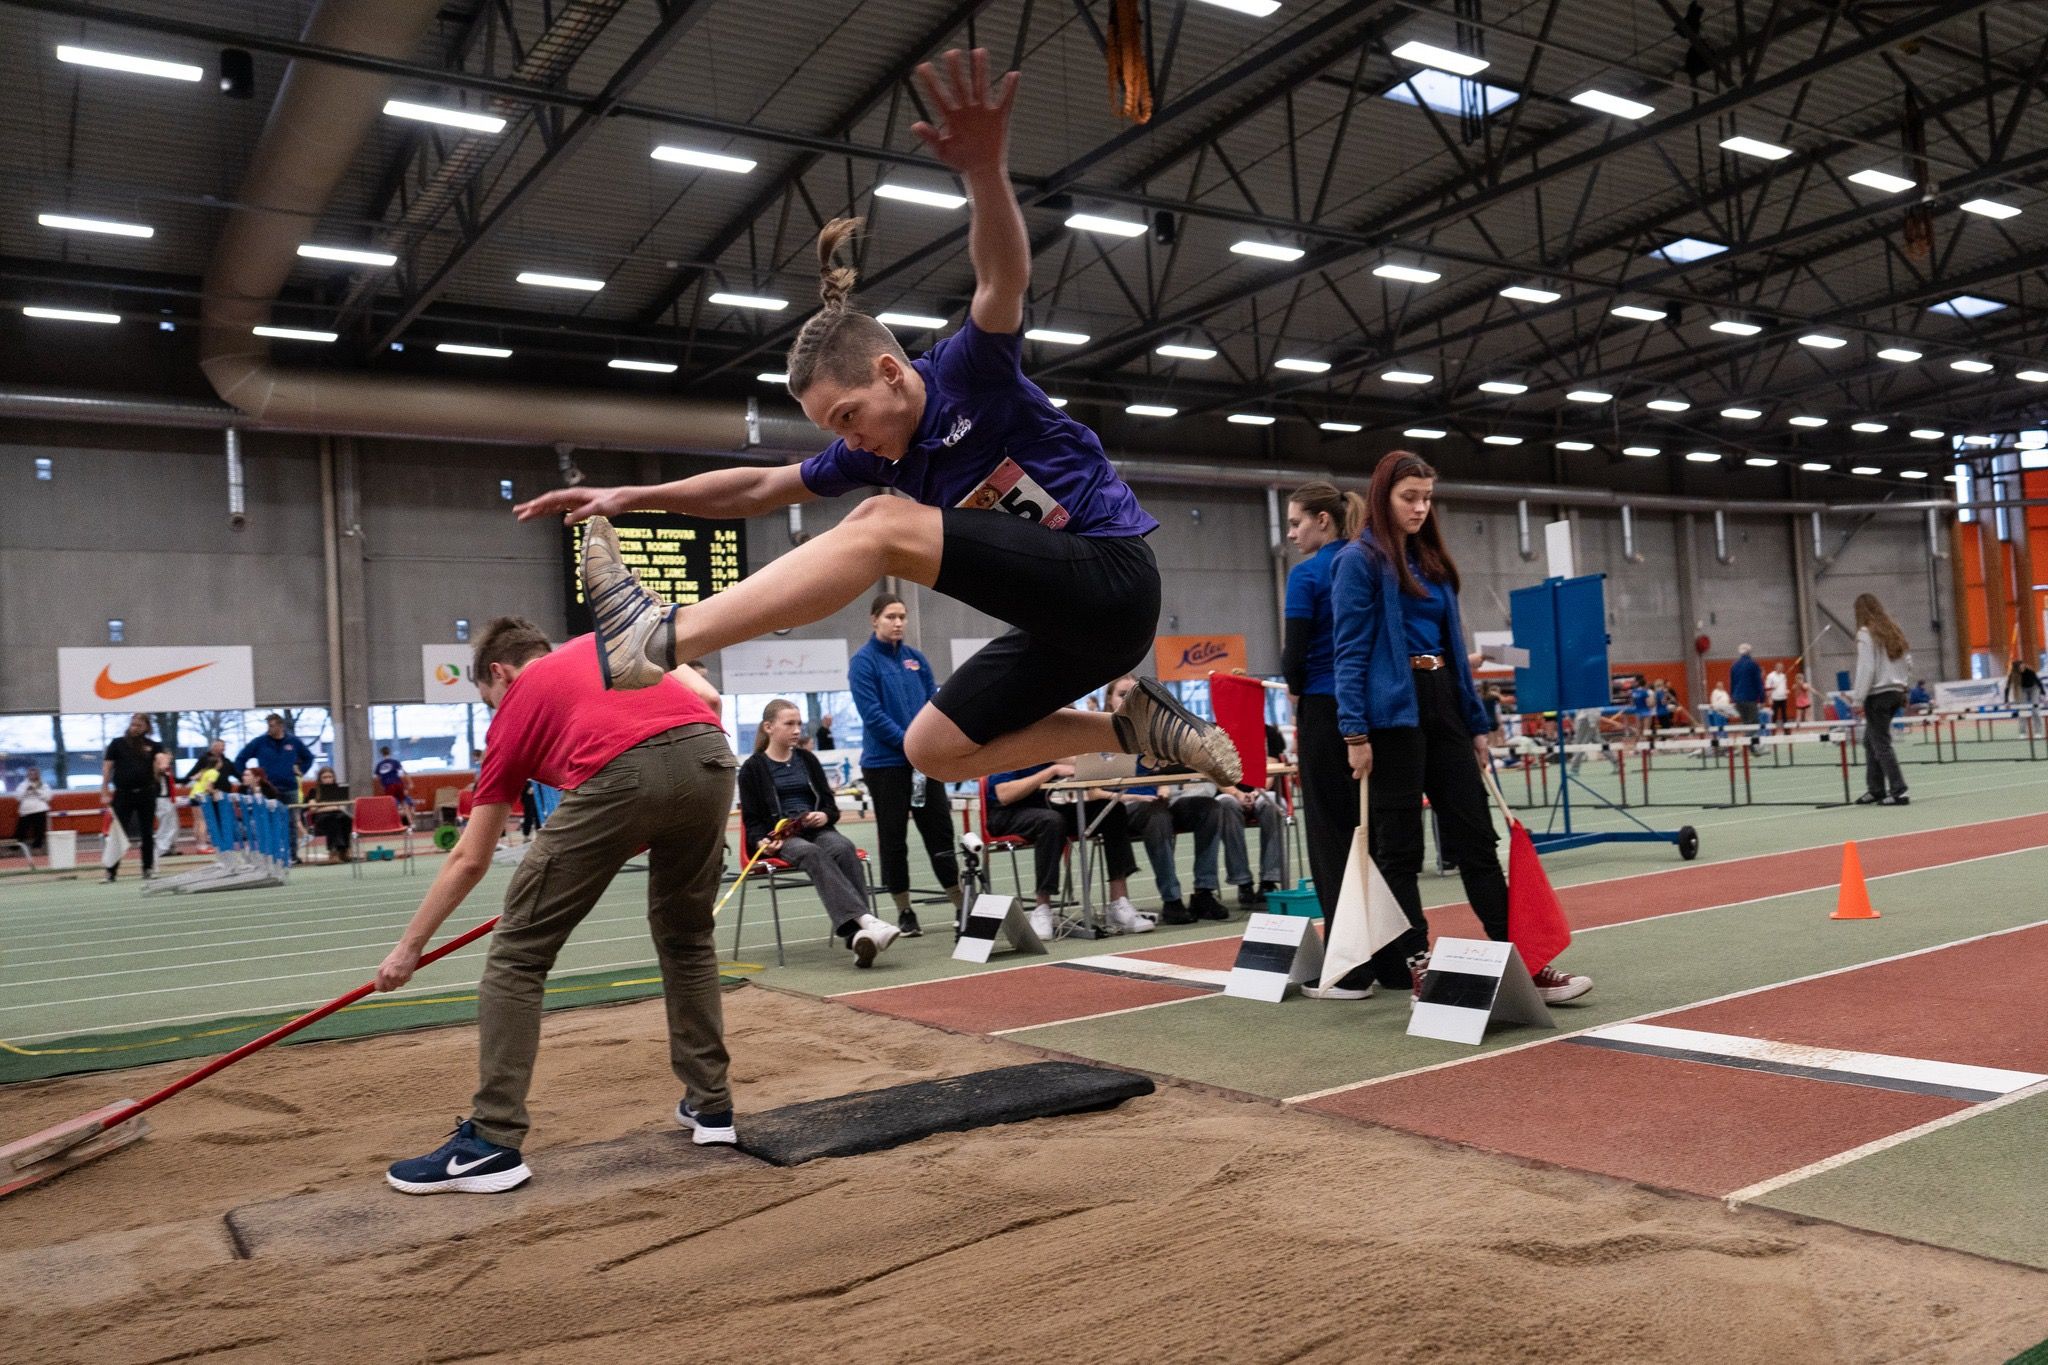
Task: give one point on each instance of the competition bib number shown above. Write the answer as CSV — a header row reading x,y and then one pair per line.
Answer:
x,y
1009,489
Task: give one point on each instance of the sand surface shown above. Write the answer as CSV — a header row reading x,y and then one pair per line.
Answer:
x,y
1182,1227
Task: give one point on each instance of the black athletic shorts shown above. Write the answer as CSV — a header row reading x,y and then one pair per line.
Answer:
x,y
1084,610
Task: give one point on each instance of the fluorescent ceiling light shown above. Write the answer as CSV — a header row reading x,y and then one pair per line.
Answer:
x,y
1149,410
1503,386
347,253
1115,227
931,199
1268,251
1925,434
1257,9
452,118
2033,376
1530,294
750,301
1057,402
1304,366
1868,428
1865,469
68,223
542,280
1406,377
1687,249
134,66
1346,427
1821,341
1749,146
1970,366
70,315
1760,462
1809,421
1641,452
1056,338
1989,208
1574,445
1741,414
773,377
1966,306
1667,404
1816,467
1411,274
1502,440
1448,94
1613,104
1898,353
1639,314
1733,328
294,334
1174,351
1588,396
1424,434
1251,419
1443,59
645,366
459,348
1703,456
1980,440
1912,473
1880,180
917,322
714,161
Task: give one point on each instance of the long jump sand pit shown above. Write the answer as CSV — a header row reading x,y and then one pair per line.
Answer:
x,y
1183,1226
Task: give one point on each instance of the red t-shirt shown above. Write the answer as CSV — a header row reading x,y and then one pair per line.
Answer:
x,y
559,723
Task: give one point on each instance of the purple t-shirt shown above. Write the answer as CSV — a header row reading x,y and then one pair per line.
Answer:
x,y
990,438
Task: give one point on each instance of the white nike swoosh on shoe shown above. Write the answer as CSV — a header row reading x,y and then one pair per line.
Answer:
x,y
465,1167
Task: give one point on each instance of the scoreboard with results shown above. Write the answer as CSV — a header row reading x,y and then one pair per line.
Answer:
x,y
684,559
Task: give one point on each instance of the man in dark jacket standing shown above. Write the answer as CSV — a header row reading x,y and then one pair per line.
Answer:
x,y
128,785
1746,688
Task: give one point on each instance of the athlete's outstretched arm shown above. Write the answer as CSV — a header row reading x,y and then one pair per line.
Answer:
x,y
722,493
973,137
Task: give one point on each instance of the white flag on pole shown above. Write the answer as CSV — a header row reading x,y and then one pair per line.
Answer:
x,y
1367,917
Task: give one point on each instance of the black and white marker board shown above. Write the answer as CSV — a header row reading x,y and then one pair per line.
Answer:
x,y
1470,983
1278,951
994,915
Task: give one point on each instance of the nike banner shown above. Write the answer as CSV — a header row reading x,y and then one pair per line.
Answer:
x,y
156,678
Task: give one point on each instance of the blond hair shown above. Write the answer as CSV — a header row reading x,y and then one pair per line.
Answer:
x,y
836,343
1345,510
1871,616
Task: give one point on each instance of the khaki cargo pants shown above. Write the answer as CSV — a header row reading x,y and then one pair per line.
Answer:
x,y
670,795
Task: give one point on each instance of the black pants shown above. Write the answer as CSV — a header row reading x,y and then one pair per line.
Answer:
x,y
1049,827
890,789
529,811
337,827
1329,796
33,829
1880,764
136,810
1434,759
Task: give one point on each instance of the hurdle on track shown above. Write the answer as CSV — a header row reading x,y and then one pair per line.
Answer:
x,y
253,839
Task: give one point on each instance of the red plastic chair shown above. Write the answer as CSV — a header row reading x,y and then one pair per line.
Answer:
x,y
377,817
783,875
1011,844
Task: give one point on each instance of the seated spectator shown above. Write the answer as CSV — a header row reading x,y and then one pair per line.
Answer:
x,y
784,781
330,813
33,828
1154,816
1238,809
255,782
1919,698
1019,805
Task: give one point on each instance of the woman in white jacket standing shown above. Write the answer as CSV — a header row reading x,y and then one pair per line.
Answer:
x,y
1883,675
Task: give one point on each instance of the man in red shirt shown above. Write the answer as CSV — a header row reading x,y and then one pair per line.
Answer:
x,y
642,770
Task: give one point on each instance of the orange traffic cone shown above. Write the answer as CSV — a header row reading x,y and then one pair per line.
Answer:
x,y
1854,899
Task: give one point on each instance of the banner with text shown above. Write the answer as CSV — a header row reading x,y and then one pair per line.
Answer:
x,y
116,678
445,674
1192,658
783,666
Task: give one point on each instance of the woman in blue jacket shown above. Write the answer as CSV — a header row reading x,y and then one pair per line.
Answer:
x,y
1411,719
891,682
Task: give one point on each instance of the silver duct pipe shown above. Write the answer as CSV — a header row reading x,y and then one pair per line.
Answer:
x,y
1820,543
1629,553
1936,546
238,507
321,118
1525,540
1721,554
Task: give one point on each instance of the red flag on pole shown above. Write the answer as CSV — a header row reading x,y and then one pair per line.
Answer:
x,y
1536,922
1240,704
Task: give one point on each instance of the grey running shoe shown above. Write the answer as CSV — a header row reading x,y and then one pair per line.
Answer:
x,y
1152,725
635,629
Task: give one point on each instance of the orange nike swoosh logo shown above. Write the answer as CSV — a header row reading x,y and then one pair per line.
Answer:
x,y
107,689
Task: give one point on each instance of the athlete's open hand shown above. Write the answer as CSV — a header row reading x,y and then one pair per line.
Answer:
x,y
573,504
973,132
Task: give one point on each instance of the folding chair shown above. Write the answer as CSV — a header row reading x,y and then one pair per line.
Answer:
x,y
999,843
782,876
377,817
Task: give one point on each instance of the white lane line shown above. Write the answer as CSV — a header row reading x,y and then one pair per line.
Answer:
x,y
1106,1014
1659,1013
1749,1194
1125,965
1954,1075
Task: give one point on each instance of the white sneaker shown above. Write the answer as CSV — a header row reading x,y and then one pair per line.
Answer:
x,y
630,621
1043,923
1556,987
1338,992
1125,918
871,938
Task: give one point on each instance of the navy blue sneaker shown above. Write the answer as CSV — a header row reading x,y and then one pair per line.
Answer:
x,y
706,1129
464,1164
